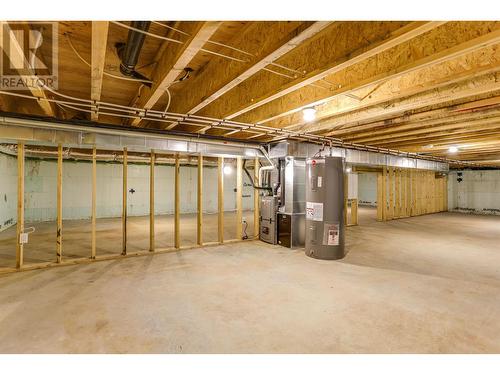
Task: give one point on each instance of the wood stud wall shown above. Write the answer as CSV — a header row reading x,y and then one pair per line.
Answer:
x,y
152,202
59,203
177,245
199,217
408,192
239,196
177,206
401,193
124,204
94,198
20,205
220,199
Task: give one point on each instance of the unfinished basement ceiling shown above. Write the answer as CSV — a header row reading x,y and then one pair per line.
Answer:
x,y
409,86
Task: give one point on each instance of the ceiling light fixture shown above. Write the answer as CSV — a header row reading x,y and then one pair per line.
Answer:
x,y
309,114
453,150
228,170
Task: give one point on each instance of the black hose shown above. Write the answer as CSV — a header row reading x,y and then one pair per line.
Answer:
x,y
245,235
251,179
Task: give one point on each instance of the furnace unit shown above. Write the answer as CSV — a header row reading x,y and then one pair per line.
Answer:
x,y
268,226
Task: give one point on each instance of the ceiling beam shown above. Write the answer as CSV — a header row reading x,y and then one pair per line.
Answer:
x,y
424,136
174,61
464,111
259,41
402,68
99,44
483,85
465,119
383,95
27,71
359,53
282,50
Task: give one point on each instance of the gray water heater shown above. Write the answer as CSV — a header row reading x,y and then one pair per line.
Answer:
x,y
325,228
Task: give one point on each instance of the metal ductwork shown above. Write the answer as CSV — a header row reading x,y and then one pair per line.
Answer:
x,y
130,51
351,156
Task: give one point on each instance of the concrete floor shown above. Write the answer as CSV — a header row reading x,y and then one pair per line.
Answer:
x,y
428,284
77,236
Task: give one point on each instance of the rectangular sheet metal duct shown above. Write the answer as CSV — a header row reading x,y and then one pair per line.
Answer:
x,y
49,133
357,157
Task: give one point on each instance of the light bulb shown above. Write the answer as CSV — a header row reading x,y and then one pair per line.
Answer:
x,y
228,170
309,114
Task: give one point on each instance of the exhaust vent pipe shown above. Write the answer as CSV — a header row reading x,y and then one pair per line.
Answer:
x,y
130,51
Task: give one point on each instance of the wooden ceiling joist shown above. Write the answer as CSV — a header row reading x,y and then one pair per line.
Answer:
x,y
408,121
409,86
484,85
417,75
401,35
289,45
440,132
450,122
173,63
390,91
99,46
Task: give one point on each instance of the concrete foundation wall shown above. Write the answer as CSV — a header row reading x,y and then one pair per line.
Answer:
x,y
8,191
367,188
41,190
478,192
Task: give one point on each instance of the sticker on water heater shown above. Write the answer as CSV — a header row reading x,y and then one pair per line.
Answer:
x,y
331,234
320,181
314,211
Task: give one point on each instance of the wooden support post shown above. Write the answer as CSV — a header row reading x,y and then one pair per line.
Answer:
x,y
152,202
59,203
94,196
397,193
199,200
390,186
177,208
434,186
239,198
384,194
256,195
124,204
407,192
20,205
380,192
354,211
420,191
445,208
430,193
220,198
413,177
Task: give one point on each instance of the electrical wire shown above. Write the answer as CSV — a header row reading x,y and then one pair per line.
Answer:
x,y
170,27
202,121
208,41
104,72
146,32
174,40
245,235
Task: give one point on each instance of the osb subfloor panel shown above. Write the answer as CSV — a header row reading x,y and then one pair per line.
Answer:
x,y
425,284
77,236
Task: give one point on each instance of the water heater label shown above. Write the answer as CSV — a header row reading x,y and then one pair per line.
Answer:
x,y
314,211
331,234
320,181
